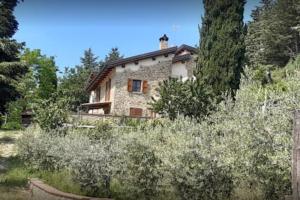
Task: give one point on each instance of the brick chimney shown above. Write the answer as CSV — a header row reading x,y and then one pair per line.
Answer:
x,y
163,42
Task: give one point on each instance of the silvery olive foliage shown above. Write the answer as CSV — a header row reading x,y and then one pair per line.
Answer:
x,y
198,177
244,146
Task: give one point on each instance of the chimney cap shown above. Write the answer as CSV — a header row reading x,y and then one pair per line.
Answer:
x,y
164,38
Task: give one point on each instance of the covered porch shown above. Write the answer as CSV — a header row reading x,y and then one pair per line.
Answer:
x,y
96,108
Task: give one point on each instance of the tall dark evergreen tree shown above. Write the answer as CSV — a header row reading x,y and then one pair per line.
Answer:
x,y
8,22
221,53
113,55
10,67
89,60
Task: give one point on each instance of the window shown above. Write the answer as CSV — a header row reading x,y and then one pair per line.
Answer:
x,y
108,87
98,94
136,85
136,112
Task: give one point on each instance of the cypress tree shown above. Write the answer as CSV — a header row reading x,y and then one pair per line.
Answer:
x,y
221,54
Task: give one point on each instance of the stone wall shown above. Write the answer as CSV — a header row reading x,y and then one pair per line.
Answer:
x,y
42,191
153,74
191,66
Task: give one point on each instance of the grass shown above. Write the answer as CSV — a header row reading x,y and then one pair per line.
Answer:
x,y
15,175
13,180
61,180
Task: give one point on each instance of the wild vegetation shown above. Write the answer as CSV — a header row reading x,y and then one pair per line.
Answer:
x,y
226,132
243,148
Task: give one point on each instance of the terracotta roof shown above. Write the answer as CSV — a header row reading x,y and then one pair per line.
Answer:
x,y
109,66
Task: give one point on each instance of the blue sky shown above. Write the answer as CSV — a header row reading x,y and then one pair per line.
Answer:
x,y
65,28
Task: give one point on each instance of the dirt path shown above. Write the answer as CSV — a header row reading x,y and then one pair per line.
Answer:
x,y
8,150
7,143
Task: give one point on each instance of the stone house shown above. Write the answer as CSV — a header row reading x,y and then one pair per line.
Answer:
x,y
125,86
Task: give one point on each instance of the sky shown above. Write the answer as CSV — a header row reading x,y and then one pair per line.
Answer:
x,y
65,28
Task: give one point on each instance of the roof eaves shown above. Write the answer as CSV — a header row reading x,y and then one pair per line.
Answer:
x,y
129,60
186,47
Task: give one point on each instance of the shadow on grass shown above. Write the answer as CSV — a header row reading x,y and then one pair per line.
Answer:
x,y
7,140
14,174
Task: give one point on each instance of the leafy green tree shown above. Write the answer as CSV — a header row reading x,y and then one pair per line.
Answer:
x,y
10,67
221,53
273,38
52,113
73,84
44,71
176,97
74,80
255,38
283,42
172,94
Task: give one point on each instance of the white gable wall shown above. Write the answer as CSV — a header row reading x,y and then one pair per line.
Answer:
x,y
179,70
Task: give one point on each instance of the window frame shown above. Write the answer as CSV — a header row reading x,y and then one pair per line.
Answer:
x,y
135,112
140,85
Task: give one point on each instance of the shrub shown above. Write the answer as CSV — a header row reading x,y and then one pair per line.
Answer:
x,y
198,177
52,114
12,126
141,172
14,120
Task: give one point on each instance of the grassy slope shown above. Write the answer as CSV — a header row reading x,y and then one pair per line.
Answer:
x,y
14,178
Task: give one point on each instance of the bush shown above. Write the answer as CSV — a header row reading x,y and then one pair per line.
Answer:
x,y
88,161
14,119
198,177
52,114
12,126
141,172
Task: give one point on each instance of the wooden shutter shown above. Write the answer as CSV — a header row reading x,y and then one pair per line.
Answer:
x,y
145,87
136,112
129,85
